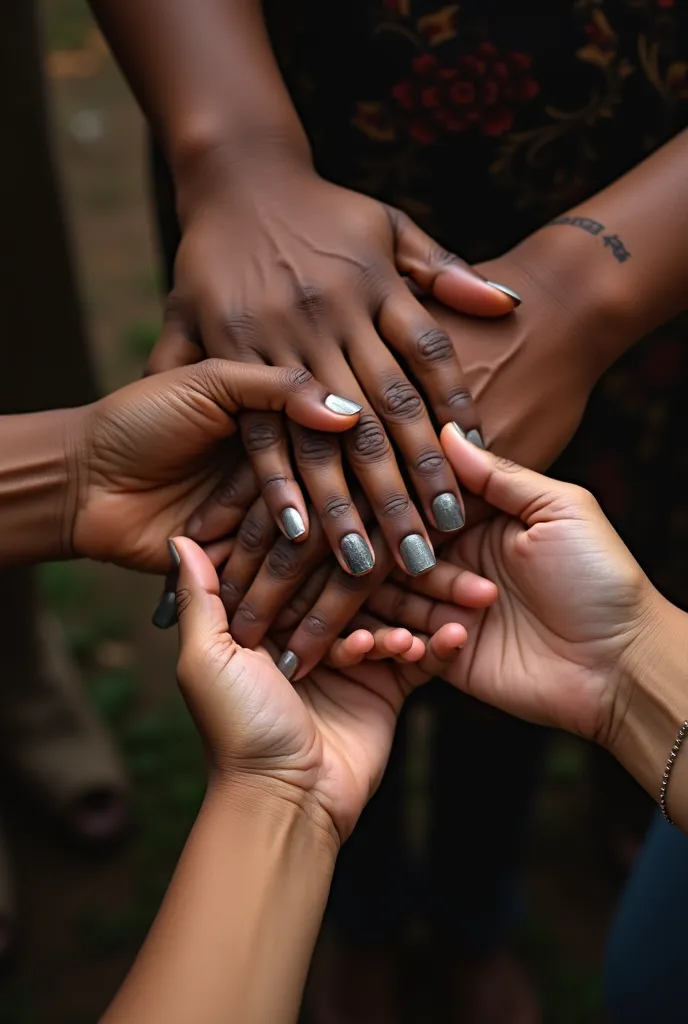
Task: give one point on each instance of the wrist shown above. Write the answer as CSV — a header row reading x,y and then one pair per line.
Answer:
x,y
587,291
278,806
207,162
39,483
652,704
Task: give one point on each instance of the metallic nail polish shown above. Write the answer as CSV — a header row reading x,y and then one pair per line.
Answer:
x,y
292,523
447,512
476,438
174,554
342,405
288,664
356,553
506,291
165,614
416,554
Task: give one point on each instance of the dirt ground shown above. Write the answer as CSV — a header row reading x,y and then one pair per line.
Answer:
x,y
82,920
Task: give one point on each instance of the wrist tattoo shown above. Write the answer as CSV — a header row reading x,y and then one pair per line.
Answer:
x,y
595,228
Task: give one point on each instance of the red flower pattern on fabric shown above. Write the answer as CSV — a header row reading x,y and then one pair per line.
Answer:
x,y
482,90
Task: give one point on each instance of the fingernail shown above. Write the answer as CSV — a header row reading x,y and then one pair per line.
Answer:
x,y
292,523
165,614
356,554
288,664
176,558
447,512
506,291
342,405
474,436
416,554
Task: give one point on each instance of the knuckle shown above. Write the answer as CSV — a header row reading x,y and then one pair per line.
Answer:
x,y
429,462
261,434
504,465
441,257
183,600
230,591
368,441
400,401
282,563
253,534
296,378
316,624
242,330
460,400
313,448
310,303
336,506
395,505
245,615
434,346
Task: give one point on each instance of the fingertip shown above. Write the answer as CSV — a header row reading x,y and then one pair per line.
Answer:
x,y
416,651
398,641
474,591
467,292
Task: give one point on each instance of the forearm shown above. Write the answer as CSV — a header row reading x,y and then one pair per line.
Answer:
x,y
235,934
625,250
651,707
205,74
37,491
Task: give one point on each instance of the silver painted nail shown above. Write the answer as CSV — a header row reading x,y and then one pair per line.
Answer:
x,y
476,438
458,429
357,554
288,664
506,291
292,523
417,554
165,614
174,554
342,405
447,512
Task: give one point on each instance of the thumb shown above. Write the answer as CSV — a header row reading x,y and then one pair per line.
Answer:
x,y
201,613
295,391
442,274
529,496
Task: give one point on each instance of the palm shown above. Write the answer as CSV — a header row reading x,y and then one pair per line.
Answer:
x,y
329,735
569,598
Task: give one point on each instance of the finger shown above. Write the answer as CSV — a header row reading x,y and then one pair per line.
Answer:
x,y
176,345
339,601
254,538
430,353
443,648
444,275
351,650
165,614
452,584
372,459
400,607
319,461
266,441
389,641
282,573
404,415
291,390
520,492
225,507
201,614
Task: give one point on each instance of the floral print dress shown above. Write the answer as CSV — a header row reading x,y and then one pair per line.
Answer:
x,y
483,121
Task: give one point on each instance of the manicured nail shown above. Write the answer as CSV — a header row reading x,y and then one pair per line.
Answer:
x,y
356,554
165,614
342,405
474,436
447,512
176,558
292,523
288,664
416,554
506,291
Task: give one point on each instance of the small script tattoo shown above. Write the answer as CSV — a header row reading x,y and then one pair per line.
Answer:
x,y
593,227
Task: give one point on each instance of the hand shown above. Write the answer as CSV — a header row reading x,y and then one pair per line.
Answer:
x,y
573,603
532,374
323,743
148,454
291,270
